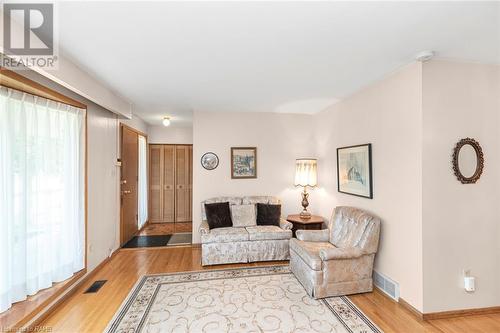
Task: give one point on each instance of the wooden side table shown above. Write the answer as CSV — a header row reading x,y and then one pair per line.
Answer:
x,y
314,223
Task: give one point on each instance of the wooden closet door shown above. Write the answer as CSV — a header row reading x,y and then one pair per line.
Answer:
x,y
155,183
190,208
182,188
169,183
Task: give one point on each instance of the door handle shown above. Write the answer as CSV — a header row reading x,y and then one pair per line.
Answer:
x,y
126,192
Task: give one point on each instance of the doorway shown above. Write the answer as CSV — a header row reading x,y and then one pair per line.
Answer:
x,y
170,189
133,183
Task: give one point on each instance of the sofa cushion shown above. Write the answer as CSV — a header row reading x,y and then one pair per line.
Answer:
x,y
218,215
268,232
231,200
309,252
243,215
225,235
268,214
264,199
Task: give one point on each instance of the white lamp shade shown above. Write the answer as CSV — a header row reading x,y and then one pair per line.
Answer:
x,y
306,172
166,121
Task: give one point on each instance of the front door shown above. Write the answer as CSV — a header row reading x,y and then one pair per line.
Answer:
x,y
129,186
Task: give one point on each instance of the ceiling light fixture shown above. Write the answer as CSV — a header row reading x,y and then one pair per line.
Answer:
x,y
166,121
425,56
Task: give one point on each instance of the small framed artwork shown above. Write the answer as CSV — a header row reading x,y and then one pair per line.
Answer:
x,y
354,170
243,162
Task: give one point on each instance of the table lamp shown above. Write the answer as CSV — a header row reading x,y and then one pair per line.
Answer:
x,y
305,175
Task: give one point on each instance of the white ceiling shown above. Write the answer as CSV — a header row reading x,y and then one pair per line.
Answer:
x,y
170,58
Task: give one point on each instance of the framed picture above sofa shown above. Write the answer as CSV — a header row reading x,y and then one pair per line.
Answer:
x,y
243,162
354,170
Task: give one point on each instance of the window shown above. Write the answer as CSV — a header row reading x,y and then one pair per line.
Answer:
x,y
42,194
143,183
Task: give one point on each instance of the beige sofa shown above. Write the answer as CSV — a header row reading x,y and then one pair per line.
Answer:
x,y
338,260
244,244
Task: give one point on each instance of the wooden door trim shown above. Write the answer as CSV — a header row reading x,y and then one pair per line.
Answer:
x,y
134,130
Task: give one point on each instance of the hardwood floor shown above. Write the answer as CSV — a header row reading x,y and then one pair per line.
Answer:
x,y
166,228
92,312
158,229
183,226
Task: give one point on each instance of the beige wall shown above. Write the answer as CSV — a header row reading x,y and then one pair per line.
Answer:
x,y
279,138
171,134
388,115
461,223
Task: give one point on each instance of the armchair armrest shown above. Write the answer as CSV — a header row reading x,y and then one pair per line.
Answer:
x,y
338,253
204,228
285,225
313,235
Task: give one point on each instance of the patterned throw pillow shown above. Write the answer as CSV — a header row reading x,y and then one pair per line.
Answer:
x,y
243,215
268,214
218,215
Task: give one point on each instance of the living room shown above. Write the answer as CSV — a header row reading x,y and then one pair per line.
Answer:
x,y
197,176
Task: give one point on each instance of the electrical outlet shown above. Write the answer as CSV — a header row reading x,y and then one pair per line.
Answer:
x,y
469,281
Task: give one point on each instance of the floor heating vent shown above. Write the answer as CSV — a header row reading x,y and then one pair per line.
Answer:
x,y
388,286
95,286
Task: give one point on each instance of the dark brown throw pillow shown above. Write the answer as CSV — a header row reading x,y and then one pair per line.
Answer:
x,y
218,215
268,214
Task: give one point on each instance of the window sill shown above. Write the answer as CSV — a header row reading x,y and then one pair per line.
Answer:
x,y
22,312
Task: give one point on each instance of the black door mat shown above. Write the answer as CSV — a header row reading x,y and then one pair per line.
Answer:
x,y
147,241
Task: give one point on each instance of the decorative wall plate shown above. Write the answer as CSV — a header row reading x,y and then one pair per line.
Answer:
x,y
209,161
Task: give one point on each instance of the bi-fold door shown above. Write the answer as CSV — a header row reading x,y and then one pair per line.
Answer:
x,y
170,187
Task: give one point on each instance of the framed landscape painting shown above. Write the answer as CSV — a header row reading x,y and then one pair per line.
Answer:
x,y
354,170
243,162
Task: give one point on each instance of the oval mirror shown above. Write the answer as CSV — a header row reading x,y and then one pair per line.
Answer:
x,y
468,161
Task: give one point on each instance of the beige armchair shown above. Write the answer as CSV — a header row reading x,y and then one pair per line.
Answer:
x,y
338,260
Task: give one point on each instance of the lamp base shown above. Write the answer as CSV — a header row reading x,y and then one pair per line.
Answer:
x,y
305,215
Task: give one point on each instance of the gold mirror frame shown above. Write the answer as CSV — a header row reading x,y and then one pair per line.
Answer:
x,y
479,161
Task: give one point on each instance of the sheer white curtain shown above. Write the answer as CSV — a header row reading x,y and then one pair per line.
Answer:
x,y
42,231
143,183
